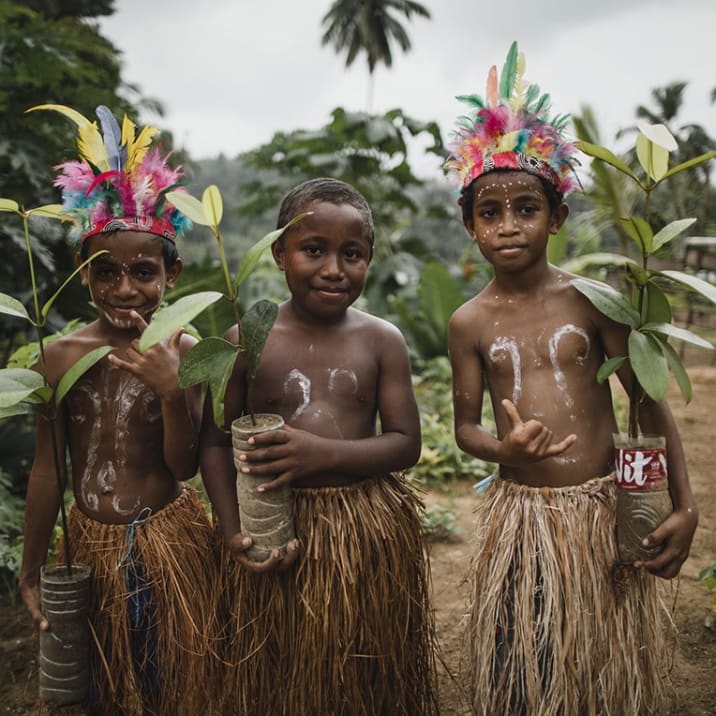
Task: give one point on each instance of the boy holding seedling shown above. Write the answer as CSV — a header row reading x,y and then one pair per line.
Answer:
x,y
342,622
555,624
132,437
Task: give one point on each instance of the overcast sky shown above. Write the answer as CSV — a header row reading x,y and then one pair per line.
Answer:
x,y
232,72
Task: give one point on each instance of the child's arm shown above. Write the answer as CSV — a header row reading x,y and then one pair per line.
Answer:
x,y
158,369
677,531
523,443
41,508
292,453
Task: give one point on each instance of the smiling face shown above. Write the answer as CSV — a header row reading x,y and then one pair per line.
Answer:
x,y
131,277
512,220
325,257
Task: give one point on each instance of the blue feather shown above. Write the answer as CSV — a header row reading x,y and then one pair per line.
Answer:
x,y
112,138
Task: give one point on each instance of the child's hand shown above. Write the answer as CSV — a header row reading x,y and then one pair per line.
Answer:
x,y
158,366
285,455
529,442
675,533
239,543
30,595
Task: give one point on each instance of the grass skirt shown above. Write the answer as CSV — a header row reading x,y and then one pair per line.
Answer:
x,y
166,587
348,629
556,624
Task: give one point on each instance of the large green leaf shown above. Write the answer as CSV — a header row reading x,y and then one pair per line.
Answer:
x,y
690,163
658,308
677,368
670,232
653,158
440,296
210,361
213,205
681,334
579,264
252,256
256,324
17,385
9,205
12,307
708,290
78,370
594,150
640,231
189,205
176,316
649,364
47,211
608,301
611,365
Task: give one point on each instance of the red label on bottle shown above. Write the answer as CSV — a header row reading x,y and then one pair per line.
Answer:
x,y
640,469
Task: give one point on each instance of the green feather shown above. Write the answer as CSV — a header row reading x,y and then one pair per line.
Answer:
x,y
509,71
472,99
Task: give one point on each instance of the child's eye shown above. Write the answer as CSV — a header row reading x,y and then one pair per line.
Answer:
x,y
353,254
488,213
312,250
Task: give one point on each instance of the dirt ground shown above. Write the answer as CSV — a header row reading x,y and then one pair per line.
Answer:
x,y
694,673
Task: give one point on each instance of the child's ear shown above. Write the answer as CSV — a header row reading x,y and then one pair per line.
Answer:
x,y
469,227
278,252
173,272
557,218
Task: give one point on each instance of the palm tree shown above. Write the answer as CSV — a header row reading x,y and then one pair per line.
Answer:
x,y
355,26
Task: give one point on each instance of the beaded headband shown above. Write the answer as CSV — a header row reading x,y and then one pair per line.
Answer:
x,y
118,184
511,129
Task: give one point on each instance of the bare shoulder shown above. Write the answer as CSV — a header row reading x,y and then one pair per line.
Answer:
x,y
63,353
474,312
576,303
367,326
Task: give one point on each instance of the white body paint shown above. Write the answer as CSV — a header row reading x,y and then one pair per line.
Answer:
x,y
503,347
559,377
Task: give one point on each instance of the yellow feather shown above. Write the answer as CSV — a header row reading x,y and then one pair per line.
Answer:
x,y
138,148
520,90
90,142
127,132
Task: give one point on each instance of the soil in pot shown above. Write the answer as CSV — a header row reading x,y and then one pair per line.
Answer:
x,y
265,516
64,648
643,500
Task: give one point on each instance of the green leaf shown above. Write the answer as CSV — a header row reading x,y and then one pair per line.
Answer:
x,y
653,158
611,365
670,232
658,308
211,361
19,409
440,296
17,385
579,264
690,163
48,305
658,134
48,211
189,205
78,370
637,274
9,205
677,368
212,205
649,364
252,256
608,301
12,307
681,334
255,327
706,289
170,319
640,231
557,246
593,150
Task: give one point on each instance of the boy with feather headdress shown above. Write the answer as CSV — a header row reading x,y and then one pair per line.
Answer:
x,y
555,624
132,438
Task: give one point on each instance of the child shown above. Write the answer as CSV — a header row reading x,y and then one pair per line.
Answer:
x,y
551,627
341,624
132,436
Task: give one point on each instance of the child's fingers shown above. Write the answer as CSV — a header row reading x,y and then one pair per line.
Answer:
x,y
561,446
138,321
512,414
120,363
175,338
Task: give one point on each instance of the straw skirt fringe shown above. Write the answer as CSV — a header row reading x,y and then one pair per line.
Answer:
x,y
174,551
556,625
349,628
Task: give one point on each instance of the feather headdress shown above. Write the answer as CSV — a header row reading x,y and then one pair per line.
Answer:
x,y
511,129
118,183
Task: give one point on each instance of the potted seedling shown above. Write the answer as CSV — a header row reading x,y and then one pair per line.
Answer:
x,y
64,588
265,516
643,500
